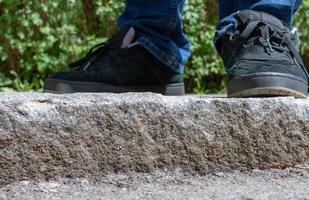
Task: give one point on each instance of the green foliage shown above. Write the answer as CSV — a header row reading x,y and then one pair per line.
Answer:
x,y
302,22
204,72
40,37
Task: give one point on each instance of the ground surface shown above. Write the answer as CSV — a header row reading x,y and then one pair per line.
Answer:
x,y
269,184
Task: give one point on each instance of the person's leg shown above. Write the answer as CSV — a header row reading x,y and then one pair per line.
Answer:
x,y
158,25
147,54
259,50
282,9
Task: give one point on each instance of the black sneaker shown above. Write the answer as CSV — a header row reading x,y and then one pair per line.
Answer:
x,y
262,58
118,66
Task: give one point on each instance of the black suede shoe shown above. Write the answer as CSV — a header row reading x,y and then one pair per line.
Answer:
x,y
262,58
118,66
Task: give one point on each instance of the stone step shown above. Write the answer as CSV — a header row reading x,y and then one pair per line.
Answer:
x,y
44,136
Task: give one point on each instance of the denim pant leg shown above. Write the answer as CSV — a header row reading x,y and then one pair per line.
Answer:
x,y
282,9
158,24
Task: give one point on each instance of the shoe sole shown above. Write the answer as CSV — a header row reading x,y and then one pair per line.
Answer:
x,y
62,87
268,85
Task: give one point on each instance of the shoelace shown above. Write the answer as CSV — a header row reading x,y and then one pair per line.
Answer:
x,y
269,38
92,54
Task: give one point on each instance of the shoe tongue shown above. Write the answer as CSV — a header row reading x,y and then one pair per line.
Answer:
x,y
247,16
123,38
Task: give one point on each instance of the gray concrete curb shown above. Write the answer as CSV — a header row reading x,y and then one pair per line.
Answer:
x,y
46,136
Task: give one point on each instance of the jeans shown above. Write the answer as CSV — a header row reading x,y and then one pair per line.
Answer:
x,y
158,24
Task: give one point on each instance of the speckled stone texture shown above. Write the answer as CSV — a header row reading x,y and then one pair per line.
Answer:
x,y
49,137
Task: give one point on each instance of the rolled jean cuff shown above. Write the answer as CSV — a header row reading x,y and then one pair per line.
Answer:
x,y
169,59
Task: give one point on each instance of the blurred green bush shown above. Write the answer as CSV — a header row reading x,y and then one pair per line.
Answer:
x,y
39,37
